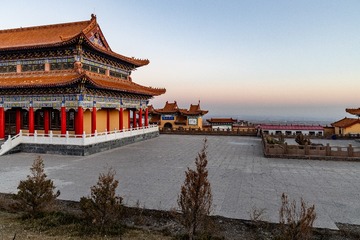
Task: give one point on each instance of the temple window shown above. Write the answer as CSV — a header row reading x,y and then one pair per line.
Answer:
x,y
33,67
39,119
70,120
95,69
6,69
55,121
118,75
61,65
24,119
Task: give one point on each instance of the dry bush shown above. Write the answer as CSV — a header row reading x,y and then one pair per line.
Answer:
x,y
103,208
296,224
36,193
257,214
195,198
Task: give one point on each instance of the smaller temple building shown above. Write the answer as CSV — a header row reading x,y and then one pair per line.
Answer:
x,y
347,126
173,117
222,123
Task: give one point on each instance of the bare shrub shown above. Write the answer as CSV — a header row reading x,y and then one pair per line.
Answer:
x,y
257,214
36,193
296,224
195,198
103,208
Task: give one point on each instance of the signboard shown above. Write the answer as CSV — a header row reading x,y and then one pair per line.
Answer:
x,y
192,121
167,117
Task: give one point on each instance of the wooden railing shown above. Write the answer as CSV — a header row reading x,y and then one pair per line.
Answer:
x,y
72,139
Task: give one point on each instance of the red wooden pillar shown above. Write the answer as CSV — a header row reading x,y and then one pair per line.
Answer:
x,y
93,120
63,120
128,118
2,122
18,121
108,120
134,119
46,121
80,121
121,119
146,117
140,117
31,120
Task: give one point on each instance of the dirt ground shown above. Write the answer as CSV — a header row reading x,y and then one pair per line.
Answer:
x,y
150,224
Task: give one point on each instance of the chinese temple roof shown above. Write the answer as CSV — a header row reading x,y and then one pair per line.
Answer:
x,y
61,34
345,122
171,108
68,77
353,111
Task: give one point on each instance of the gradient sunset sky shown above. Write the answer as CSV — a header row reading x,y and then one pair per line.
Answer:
x,y
280,58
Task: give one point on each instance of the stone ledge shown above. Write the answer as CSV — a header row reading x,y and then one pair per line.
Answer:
x,y
77,150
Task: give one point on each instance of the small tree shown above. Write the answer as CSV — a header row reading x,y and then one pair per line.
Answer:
x,y
296,224
195,198
103,208
36,193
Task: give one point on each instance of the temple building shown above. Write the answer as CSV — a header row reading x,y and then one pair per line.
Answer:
x,y
222,123
65,79
172,117
346,125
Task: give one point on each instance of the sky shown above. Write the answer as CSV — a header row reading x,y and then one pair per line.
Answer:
x,y
240,58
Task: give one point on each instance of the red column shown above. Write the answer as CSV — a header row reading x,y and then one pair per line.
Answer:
x,y
108,120
134,119
46,121
140,117
146,117
63,120
80,120
93,120
2,123
18,120
128,118
121,119
31,120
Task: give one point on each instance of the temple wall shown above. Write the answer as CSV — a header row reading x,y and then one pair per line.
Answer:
x,y
114,119
126,118
87,121
354,129
101,120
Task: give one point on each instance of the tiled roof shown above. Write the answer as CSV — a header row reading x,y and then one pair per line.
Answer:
x,y
169,108
221,120
345,122
293,127
117,84
67,77
60,34
38,79
41,35
173,108
353,111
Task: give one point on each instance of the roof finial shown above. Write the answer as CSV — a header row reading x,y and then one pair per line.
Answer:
x,y
93,16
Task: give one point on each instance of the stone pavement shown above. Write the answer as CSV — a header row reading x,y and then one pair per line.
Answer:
x,y
152,172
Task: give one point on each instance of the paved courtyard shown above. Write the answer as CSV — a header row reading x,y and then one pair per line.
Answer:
x,y
152,172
